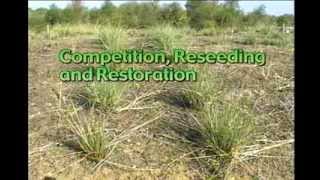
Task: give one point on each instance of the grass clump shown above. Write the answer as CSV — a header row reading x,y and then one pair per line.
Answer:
x,y
214,129
214,133
248,39
202,91
164,38
277,39
105,95
90,135
192,96
223,128
113,38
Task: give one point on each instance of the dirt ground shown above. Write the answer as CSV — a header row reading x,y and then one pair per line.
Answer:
x,y
151,153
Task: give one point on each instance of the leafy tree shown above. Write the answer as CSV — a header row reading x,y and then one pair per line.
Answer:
x,y
173,14
138,15
257,15
286,19
67,15
148,14
53,15
41,10
233,4
78,12
36,18
72,14
227,14
94,15
200,13
107,13
260,11
127,14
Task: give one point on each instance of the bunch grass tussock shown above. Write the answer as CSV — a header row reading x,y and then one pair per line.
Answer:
x,y
107,96
113,38
214,134
90,135
164,38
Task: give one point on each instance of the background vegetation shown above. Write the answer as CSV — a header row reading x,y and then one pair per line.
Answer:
x,y
196,14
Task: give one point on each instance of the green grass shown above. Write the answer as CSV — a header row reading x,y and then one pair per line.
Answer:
x,y
205,88
198,93
113,38
68,30
90,135
248,39
193,95
277,39
266,35
224,128
211,126
106,95
165,38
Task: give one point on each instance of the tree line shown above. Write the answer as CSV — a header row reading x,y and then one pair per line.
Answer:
x,y
196,14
